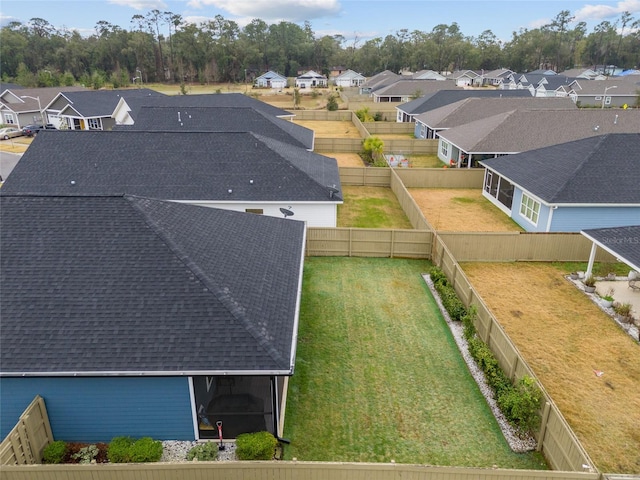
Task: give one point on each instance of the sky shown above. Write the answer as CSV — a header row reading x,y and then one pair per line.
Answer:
x,y
356,20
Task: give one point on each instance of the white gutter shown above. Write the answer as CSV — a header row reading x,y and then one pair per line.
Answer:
x,y
296,322
151,373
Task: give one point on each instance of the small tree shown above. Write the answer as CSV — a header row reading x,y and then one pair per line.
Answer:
x,y
372,148
297,98
332,103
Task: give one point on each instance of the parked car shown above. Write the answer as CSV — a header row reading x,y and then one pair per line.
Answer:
x,y
31,130
10,132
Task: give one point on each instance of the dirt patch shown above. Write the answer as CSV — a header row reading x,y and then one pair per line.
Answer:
x,y
461,210
331,129
566,339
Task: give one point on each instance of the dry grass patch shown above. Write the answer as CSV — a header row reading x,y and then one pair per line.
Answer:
x,y
457,210
331,129
564,337
425,161
16,145
346,159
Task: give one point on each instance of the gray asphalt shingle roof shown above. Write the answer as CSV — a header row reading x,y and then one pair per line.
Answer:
x,y
173,166
129,285
219,119
603,169
624,241
102,103
446,97
523,130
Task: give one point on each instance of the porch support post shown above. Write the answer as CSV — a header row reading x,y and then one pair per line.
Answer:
x,y
592,257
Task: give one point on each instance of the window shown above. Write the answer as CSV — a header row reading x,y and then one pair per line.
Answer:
x,y
607,100
8,119
258,211
423,130
530,208
94,124
444,148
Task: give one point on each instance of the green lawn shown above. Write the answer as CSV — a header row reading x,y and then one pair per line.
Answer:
x,y
371,207
378,375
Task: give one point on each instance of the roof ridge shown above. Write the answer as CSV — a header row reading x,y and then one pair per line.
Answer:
x,y
222,294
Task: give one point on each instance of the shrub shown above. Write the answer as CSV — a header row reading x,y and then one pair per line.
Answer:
x,y
119,450
521,403
204,452
145,449
255,446
468,320
332,103
437,275
55,452
86,454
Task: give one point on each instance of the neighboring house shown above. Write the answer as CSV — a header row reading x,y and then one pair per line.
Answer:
x,y
406,89
349,78
126,110
523,130
429,124
336,71
379,80
464,78
431,101
311,79
236,171
428,75
584,73
220,119
93,109
569,187
495,78
26,106
608,93
271,80
140,317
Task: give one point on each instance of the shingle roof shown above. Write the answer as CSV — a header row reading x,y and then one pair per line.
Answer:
x,y
614,88
46,95
604,169
475,108
102,103
446,97
219,119
173,166
128,285
210,100
621,240
523,130
408,86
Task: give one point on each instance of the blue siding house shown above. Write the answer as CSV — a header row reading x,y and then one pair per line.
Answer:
x,y
142,317
585,184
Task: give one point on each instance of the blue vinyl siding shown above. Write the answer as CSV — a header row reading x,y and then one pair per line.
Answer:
x,y
574,219
99,408
416,130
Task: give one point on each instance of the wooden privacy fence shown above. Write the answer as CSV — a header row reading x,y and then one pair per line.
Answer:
x,y
26,441
555,438
365,176
390,128
408,204
365,242
278,471
441,177
322,115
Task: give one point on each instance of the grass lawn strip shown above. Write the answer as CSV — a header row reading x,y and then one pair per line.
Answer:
x,y
564,337
379,377
371,207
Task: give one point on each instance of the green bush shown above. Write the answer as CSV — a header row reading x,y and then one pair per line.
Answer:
x,y
145,449
448,296
438,276
55,452
256,446
332,103
521,404
204,452
127,450
120,450
468,320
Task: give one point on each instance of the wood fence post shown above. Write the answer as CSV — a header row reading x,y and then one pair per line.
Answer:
x,y
543,425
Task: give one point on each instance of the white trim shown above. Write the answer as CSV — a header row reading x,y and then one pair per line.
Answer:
x,y
151,373
611,251
296,321
194,412
529,209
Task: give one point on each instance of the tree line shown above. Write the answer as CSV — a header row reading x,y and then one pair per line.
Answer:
x,y
162,47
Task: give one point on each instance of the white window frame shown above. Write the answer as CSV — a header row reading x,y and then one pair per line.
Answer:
x,y
530,208
94,123
607,100
444,148
9,119
423,130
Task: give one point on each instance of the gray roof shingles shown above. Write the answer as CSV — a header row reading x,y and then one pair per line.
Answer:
x,y
625,241
446,97
91,103
219,119
596,170
173,166
130,285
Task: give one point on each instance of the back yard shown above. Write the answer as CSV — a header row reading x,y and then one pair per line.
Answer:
x,y
379,377
371,207
566,339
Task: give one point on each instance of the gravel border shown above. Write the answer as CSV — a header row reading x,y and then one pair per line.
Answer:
x,y
517,442
175,451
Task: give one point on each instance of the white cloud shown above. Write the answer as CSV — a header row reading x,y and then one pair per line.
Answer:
x,y
141,4
599,12
539,23
274,10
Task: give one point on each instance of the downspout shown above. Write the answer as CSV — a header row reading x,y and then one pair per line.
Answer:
x,y
553,209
